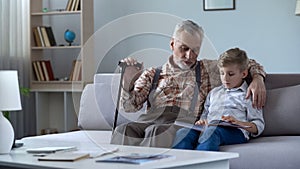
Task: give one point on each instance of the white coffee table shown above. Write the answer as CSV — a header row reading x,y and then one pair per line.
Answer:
x,y
19,158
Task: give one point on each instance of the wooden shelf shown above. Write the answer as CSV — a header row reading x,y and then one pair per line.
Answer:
x,y
56,47
57,86
57,102
55,13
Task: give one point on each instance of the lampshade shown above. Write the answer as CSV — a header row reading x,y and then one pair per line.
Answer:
x,y
9,100
9,91
297,11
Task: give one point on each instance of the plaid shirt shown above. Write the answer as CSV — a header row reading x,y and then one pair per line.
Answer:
x,y
176,87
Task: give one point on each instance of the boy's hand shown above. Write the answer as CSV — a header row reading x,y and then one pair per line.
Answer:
x,y
231,119
201,122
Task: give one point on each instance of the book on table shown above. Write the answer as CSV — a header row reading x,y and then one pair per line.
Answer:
x,y
50,149
212,123
64,156
68,153
136,158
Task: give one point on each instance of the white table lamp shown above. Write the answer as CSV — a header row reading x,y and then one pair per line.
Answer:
x,y
9,100
297,11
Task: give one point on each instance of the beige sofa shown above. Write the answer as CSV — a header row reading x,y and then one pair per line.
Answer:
x,y
276,148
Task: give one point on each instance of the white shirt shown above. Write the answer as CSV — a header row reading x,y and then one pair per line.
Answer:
x,y
222,101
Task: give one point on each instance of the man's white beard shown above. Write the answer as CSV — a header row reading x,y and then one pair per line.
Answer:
x,y
181,65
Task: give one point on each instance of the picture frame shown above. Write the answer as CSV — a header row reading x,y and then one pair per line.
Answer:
x,y
213,5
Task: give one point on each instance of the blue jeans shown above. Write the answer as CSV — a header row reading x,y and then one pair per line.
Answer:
x,y
209,140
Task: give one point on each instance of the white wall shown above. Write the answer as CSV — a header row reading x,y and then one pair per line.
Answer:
x,y
268,30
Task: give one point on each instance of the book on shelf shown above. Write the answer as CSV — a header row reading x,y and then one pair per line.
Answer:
x,y
78,75
76,5
43,36
43,70
80,72
212,123
36,71
49,69
72,70
75,74
50,35
40,35
68,6
40,71
73,5
36,37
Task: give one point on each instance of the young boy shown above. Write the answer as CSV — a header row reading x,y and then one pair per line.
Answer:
x,y
228,103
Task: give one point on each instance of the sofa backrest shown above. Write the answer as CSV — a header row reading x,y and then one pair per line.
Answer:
x,y
281,112
282,109
274,81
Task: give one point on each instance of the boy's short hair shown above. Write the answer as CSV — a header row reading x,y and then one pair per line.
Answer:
x,y
234,56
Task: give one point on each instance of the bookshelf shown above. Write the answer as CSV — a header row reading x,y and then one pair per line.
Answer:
x,y
57,100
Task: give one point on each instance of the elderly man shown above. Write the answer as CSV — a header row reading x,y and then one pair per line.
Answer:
x,y
175,91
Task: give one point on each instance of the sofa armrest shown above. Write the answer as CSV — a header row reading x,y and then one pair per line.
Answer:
x,y
90,116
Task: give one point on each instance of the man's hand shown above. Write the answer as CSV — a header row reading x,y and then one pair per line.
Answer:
x,y
131,73
258,90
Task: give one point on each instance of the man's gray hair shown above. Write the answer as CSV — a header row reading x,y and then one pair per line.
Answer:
x,y
190,27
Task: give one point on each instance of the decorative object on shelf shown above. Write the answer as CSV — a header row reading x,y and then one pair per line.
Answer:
x,y
297,11
10,100
45,9
70,36
212,5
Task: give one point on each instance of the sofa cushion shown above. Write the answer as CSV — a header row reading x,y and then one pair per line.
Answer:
x,y
90,117
106,101
276,152
98,104
282,111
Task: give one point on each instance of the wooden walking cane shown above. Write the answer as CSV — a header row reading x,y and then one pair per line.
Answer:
x,y
123,66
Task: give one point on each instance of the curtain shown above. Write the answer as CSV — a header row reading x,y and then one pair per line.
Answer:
x,y
14,55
